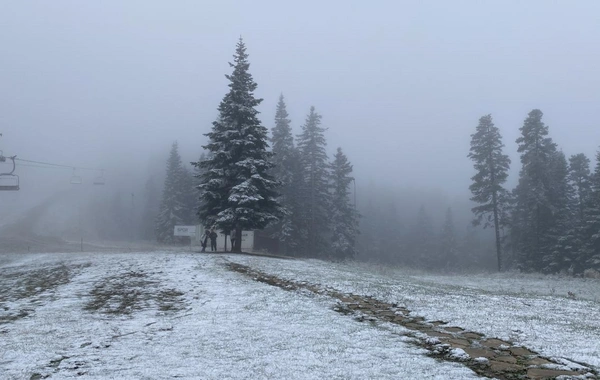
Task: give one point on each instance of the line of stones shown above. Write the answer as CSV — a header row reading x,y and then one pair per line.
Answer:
x,y
488,357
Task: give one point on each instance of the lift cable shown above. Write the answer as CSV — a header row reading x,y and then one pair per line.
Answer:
x,y
58,165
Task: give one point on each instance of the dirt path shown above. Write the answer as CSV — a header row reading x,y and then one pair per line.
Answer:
x,y
486,356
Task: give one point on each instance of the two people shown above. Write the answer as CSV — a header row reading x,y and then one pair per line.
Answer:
x,y
212,235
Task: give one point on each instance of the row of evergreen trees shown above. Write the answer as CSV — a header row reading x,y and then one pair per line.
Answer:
x,y
320,220
551,221
292,189
179,202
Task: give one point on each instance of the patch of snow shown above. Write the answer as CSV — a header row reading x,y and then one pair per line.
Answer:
x,y
459,354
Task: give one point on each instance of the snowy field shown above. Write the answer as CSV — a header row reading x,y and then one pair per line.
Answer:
x,y
183,315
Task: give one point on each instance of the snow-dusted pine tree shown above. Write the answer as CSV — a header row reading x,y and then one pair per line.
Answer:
x,y
581,182
172,209
532,216
237,191
315,192
590,252
579,175
344,217
562,232
287,171
190,197
487,188
448,243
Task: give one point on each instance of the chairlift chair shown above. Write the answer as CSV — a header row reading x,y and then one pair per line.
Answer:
x,y
75,179
9,181
99,180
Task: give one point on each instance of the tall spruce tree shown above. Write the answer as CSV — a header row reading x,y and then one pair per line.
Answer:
x,y
344,217
172,210
579,175
590,251
532,216
315,194
287,171
487,188
190,197
237,191
581,181
562,232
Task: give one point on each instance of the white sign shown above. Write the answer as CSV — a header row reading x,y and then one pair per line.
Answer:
x,y
185,230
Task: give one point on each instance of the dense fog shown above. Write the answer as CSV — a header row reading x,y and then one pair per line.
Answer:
x,y
107,87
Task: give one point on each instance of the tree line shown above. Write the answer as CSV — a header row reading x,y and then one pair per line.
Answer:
x,y
290,188
550,222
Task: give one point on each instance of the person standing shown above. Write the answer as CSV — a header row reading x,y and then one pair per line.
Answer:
x,y
204,241
213,240
232,237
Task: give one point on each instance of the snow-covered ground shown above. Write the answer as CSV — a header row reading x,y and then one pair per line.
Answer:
x,y
158,315
531,310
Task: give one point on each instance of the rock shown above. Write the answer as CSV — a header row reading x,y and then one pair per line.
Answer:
x,y
506,359
438,334
479,352
538,362
497,366
472,335
461,343
494,343
520,351
539,373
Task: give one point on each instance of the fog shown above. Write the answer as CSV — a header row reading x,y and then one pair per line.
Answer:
x,y
400,85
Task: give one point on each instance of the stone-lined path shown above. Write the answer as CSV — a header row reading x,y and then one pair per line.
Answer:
x,y
486,356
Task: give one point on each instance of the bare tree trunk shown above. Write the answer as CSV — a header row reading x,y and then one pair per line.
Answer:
x,y
496,216
238,240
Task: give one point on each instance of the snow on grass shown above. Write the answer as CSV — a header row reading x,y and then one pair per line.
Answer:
x,y
531,310
224,326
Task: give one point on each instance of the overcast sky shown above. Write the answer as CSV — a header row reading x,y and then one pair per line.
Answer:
x,y
400,84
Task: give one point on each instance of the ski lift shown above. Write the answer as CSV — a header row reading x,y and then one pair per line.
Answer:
x,y
75,179
9,181
99,180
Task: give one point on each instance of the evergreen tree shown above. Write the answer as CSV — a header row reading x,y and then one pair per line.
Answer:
x,y
532,217
190,197
315,193
579,175
344,218
492,170
562,230
150,210
197,172
448,243
589,256
237,192
172,210
287,171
